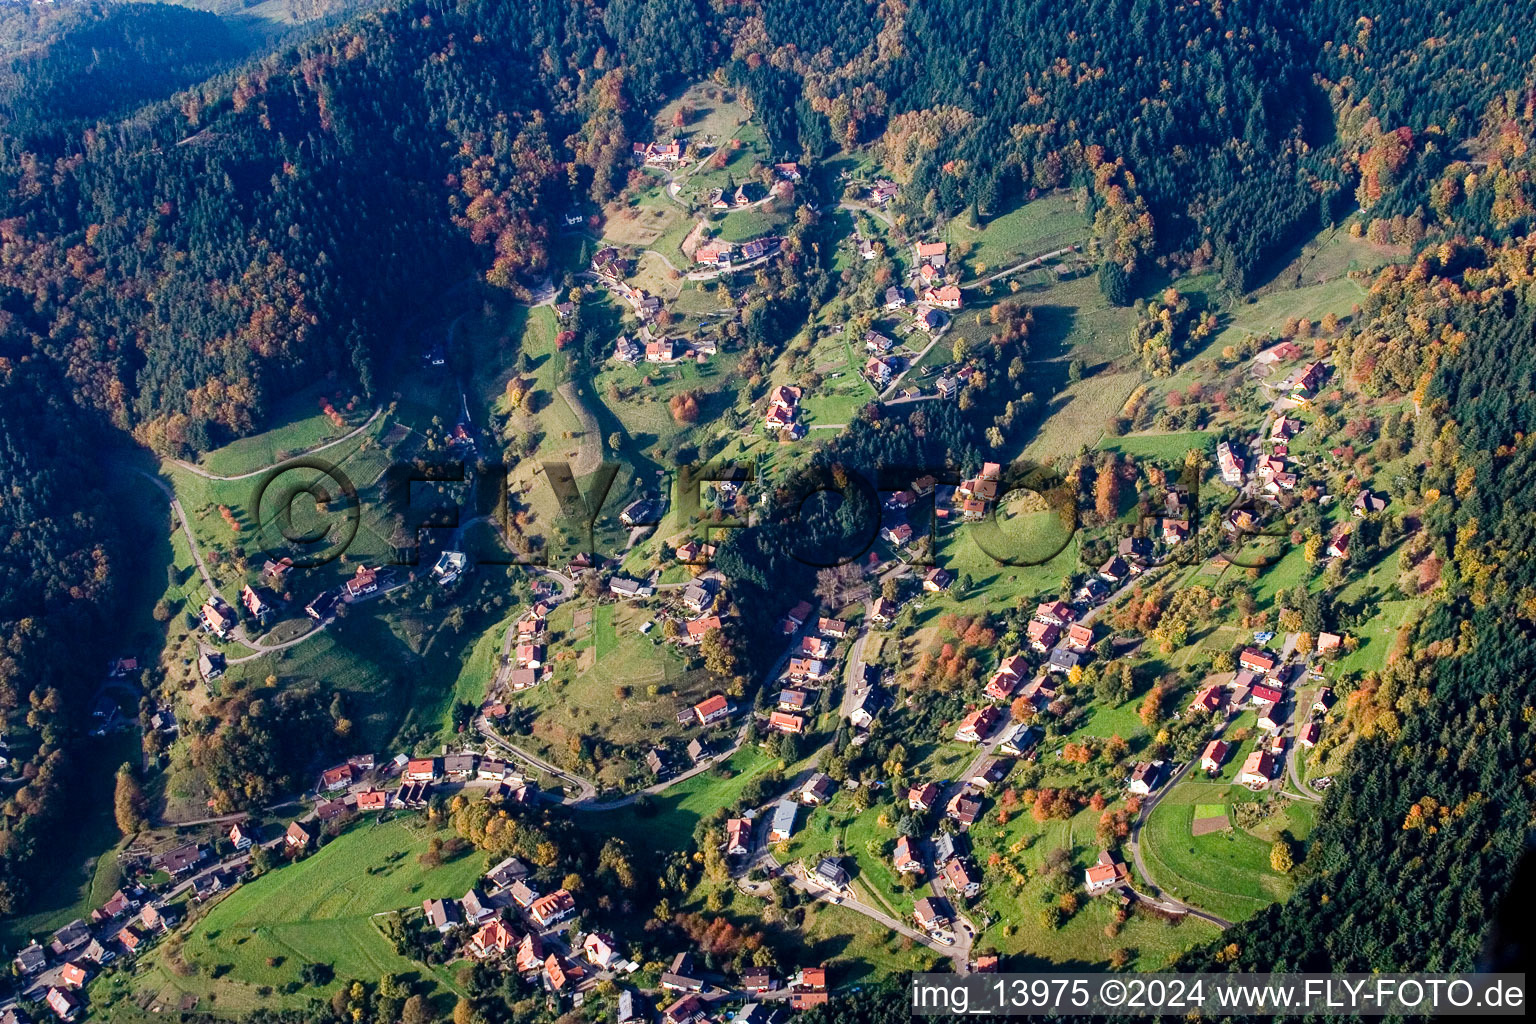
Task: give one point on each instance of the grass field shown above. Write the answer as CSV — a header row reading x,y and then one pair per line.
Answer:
x,y
1168,449
324,909
1049,223
1226,873
675,812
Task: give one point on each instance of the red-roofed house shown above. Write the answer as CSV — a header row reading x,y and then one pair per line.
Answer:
x,y
977,725
1215,755
712,710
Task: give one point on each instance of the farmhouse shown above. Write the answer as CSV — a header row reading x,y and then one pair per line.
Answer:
x,y
977,725
712,710
1258,769
1146,777
1214,756
1104,875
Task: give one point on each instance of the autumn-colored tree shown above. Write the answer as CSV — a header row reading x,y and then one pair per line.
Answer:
x,y
685,407
128,804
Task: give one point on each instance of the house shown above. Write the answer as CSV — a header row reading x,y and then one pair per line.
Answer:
x,y
323,607
807,668
599,950
522,893
1277,745
1208,699
1231,463
530,953
1104,875
1145,777
130,939
1270,719
208,884
363,583
505,873
937,580
297,837
1262,694
421,769
118,905
491,770
930,274
879,370
372,800
945,386
1042,635
1367,504
1309,735
697,751
782,825
1323,701
1079,636
815,647
1214,756
97,954
831,873
964,807
626,1012
698,597
921,798
932,913
1019,739
64,1004
1054,612
1259,662
475,907
883,611
895,298
714,253
551,909
933,253
869,704
1328,642
239,837
883,191
1175,531
990,772
210,664
898,536
945,848
277,571
877,343
961,877
253,601
622,587
780,721
159,919
442,914
218,618
930,319
905,857
681,976
757,980
493,939
712,709
1339,546
738,837
626,350
813,978
662,351
181,859
1114,570
31,959
977,725
1062,660
1258,769
817,789
837,629
459,767
339,777
1135,548
73,936
944,296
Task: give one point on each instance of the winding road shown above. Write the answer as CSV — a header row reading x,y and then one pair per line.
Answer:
x,y
206,475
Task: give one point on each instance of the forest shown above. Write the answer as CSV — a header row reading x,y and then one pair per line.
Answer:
x,y
190,233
